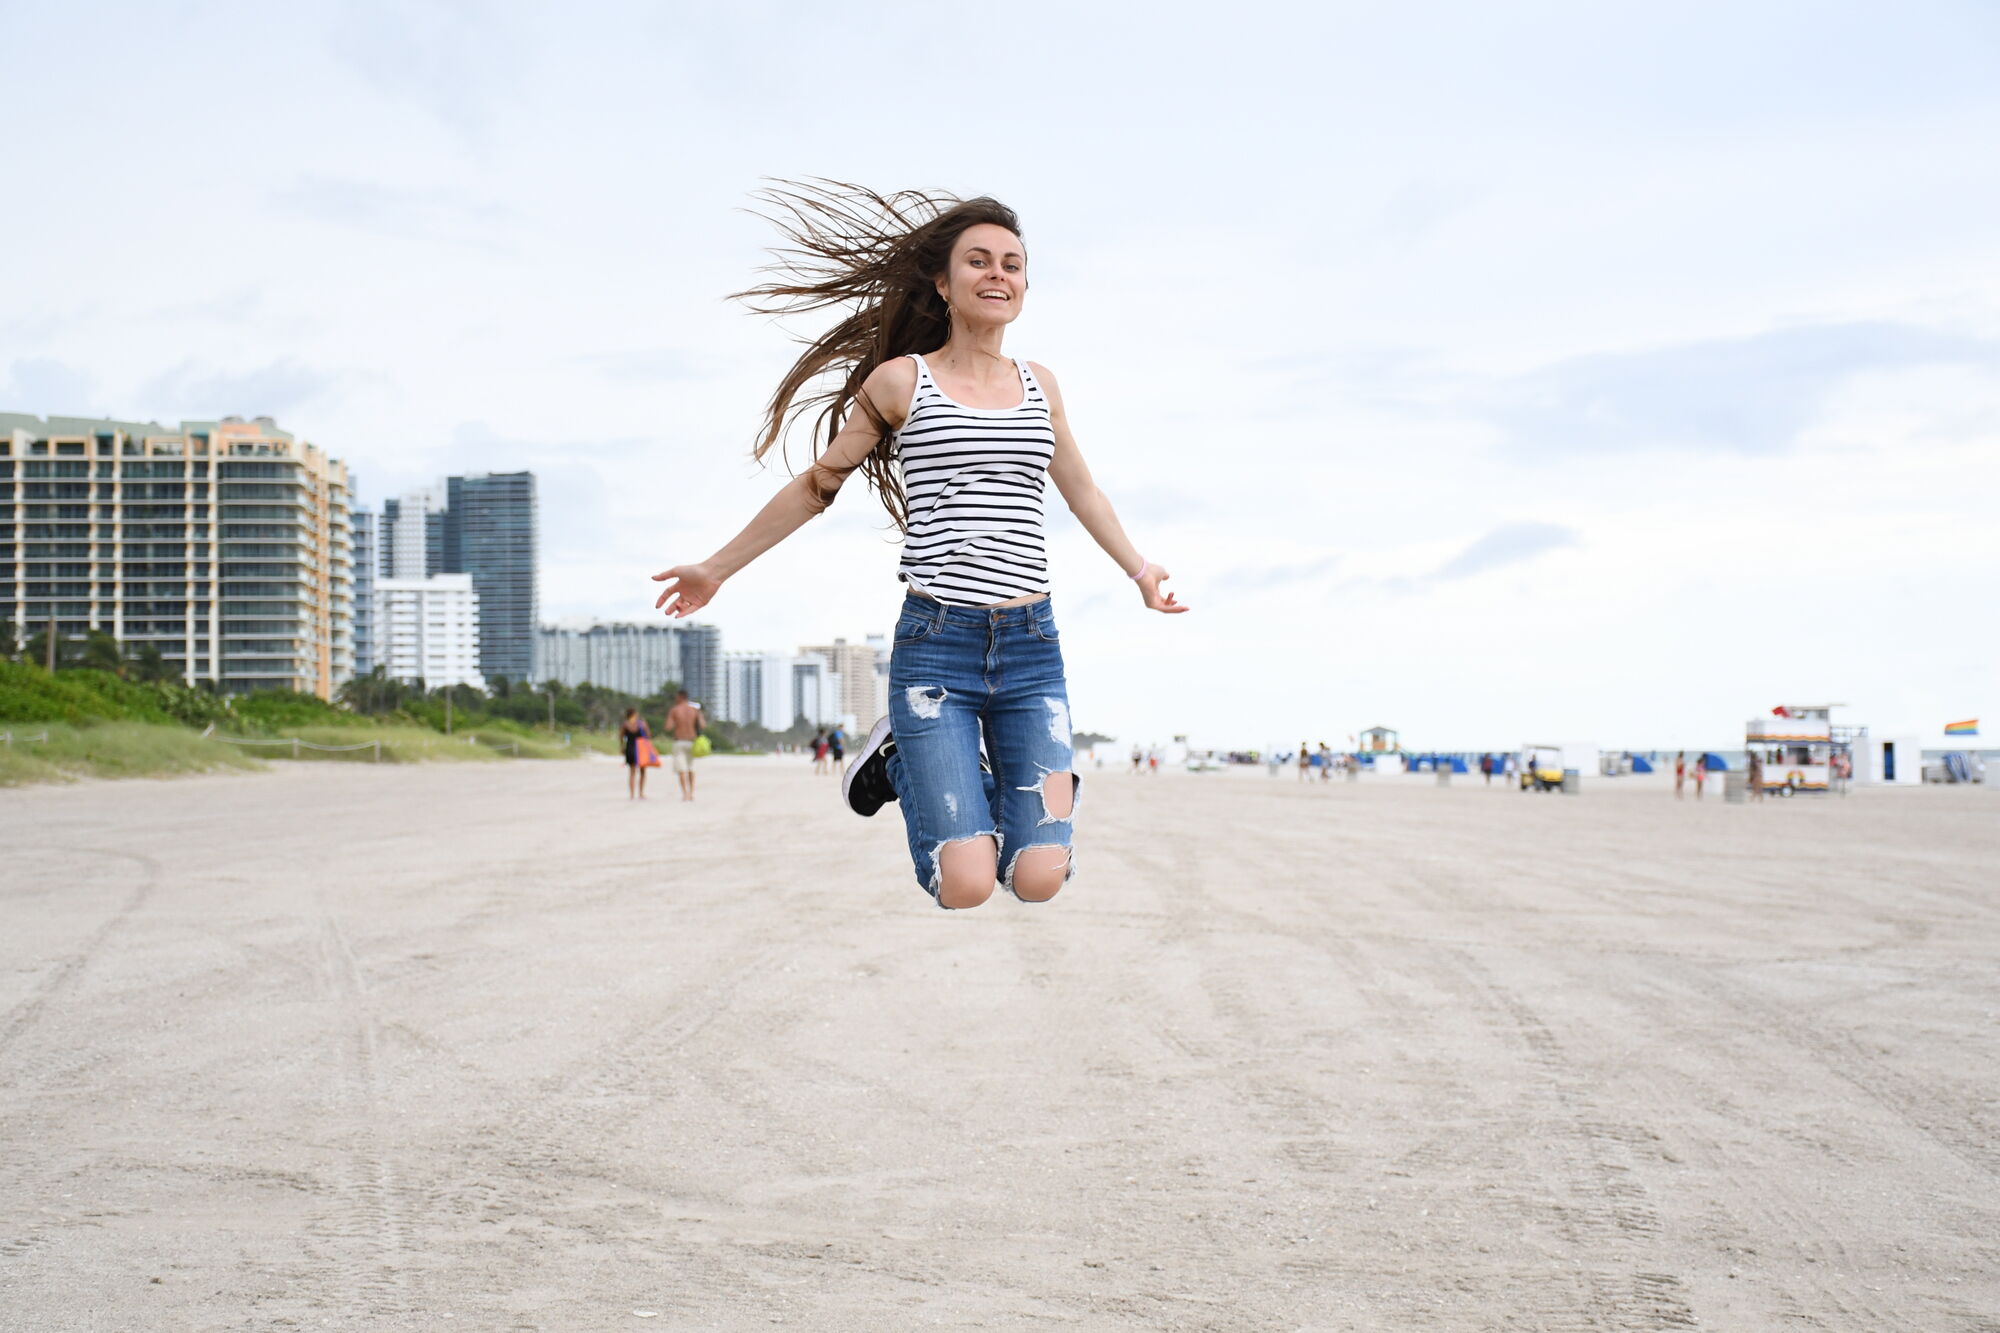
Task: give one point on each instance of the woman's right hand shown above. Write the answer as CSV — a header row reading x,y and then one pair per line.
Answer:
x,y
689,588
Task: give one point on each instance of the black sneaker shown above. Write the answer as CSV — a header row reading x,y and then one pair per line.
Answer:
x,y
865,785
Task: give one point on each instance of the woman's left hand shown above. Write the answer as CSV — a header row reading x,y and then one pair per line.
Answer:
x,y
1149,588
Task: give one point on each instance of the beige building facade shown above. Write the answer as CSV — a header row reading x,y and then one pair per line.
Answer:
x,y
225,545
863,671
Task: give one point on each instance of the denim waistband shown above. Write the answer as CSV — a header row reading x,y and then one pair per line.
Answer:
x,y
940,613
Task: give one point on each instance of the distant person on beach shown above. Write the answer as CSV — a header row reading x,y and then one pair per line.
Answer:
x,y
1755,776
1680,773
1700,774
1325,763
1486,768
836,744
1305,762
911,388
1138,759
631,731
684,724
819,751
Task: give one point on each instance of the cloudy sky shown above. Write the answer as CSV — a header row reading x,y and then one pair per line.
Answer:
x,y
1493,372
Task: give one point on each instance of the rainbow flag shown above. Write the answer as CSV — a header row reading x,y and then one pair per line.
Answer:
x,y
1969,727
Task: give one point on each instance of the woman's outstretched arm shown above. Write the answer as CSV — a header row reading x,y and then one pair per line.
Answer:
x,y
1093,509
691,587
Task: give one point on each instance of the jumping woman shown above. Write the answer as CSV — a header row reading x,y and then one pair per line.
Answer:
x,y
958,441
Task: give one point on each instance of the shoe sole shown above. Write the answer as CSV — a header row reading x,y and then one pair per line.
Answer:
x,y
877,736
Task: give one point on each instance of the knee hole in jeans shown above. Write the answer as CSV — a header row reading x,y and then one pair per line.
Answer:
x,y
962,870
1037,874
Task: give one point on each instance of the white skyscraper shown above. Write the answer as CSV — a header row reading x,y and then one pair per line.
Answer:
x,y
776,690
428,630
408,534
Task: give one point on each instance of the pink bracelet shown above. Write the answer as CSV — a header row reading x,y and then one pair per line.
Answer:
x,y
1144,565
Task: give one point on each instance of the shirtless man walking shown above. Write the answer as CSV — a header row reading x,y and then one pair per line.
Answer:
x,y
684,724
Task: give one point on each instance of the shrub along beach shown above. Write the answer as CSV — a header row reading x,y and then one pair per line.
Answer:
x,y
96,721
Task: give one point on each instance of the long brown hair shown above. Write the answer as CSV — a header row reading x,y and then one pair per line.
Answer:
x,y
878,257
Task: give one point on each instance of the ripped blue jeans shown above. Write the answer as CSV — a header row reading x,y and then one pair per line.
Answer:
x,y
959,675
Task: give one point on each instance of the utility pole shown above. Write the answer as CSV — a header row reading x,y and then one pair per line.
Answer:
x,y
447,710
52,645
552,705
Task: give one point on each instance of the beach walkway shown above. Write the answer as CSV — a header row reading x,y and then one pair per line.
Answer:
x,y
489,1047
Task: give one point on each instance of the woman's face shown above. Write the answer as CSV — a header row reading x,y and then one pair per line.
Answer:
x,y
988,276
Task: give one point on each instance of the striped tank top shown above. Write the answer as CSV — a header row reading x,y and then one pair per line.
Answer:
x,y
974,478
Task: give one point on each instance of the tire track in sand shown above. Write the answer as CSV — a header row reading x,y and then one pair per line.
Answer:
x,y
64,974
370,1216
20,1073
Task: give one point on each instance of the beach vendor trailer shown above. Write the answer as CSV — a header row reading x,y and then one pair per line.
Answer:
x,y
1799,749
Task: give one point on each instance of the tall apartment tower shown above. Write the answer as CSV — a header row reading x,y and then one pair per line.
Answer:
x,y
858,665
633,659
223,544
366,563
488,531
428,630
411,544
482,525
701,665
774,690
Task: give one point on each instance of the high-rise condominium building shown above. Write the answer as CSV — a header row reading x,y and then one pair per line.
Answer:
x,y
701,665
777,690
633,659
412,536
483,525
429,630
223,544
863,669
489,533
366,563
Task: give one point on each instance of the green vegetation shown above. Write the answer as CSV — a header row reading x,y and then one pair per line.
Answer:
x,y
105,719
87,694
114,711
113,750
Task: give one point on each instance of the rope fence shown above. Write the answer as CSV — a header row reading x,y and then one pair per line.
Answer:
x,y
511,747
298,745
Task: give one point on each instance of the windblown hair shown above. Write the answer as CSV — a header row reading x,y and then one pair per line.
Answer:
x,y
877,258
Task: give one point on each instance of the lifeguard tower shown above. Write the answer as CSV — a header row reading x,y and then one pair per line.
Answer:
x,y
1380,740
1800,748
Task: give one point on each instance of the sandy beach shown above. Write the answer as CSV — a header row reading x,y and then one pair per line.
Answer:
x,y
492,1048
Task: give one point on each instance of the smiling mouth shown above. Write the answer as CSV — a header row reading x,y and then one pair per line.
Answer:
x,y
994,296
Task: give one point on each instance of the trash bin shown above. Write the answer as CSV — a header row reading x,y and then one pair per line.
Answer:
x,y
1735,785
1444,774
1572,781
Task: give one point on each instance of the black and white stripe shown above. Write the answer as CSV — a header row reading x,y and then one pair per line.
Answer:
x,y
974,478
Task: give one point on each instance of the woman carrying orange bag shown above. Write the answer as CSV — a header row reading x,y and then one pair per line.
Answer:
x,y
640,753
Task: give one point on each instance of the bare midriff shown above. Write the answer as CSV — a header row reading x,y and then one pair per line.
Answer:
x,y
1028,600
